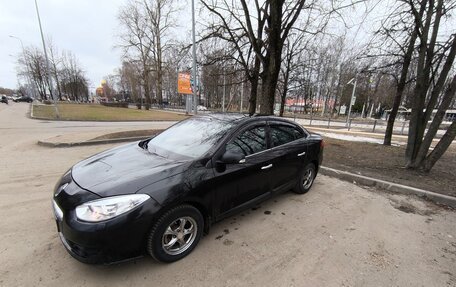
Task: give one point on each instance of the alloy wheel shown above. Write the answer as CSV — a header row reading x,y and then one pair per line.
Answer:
x,y
179,235
308,178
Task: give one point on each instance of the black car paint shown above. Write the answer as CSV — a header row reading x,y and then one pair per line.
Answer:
x,y
131,169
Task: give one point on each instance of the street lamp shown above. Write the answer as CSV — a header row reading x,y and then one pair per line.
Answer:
x,y
195,104
48,70
353,98
32,88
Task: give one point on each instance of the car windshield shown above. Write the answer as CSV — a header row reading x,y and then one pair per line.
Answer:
x,y
190,138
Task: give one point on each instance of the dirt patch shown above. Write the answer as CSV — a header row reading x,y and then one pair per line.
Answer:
x,y
387,163
407,207
379,260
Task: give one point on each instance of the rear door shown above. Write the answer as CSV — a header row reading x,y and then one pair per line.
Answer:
x,y
289,149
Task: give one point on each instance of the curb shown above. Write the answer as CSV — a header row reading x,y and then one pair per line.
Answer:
x,y
389,186
87,143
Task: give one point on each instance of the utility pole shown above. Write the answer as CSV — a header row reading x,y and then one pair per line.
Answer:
x,y
352,100
242,95
224,91
195,104
48,71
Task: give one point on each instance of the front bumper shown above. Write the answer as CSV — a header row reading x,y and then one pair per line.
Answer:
x,y
118,239
110,241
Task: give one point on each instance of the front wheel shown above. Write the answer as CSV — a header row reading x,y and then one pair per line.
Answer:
x,y
305,179
175,234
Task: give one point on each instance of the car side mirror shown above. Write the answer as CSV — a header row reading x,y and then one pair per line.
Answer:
x,y
231,157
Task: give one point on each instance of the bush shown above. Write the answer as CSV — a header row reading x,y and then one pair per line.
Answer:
x,y
116,105
147,107
138,105
47,102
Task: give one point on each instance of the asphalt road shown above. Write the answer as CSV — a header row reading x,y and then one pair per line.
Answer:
x,y
338,234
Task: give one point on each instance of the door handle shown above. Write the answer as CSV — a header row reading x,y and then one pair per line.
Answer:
x,y
267,166
301,154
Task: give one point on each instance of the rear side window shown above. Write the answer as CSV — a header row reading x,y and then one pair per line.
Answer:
x,y
282,134
249,142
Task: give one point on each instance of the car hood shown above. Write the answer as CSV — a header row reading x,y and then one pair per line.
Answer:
x,y
124,170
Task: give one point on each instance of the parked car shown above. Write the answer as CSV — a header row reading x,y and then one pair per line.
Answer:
x,y
201,108
24,99
4,99
157,196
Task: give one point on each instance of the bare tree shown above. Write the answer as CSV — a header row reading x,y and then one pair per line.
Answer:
x,y
32,64
146,37
230,28
136,41
434,64
73,81
55,62
161,18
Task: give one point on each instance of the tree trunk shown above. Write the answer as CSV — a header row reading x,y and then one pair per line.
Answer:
x,y
400,89
336,97
271,64
146,86
283,97
423,116
437,89
160,71
254,86
438,118
268,89
440,148
284,92
417,124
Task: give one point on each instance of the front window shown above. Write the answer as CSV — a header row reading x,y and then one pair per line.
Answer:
x,y
191,138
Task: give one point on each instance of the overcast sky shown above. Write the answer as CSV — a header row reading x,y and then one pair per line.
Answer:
x,y
88,28
85,27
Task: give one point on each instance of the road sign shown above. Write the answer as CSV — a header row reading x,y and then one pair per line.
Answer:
x,y
343,110
353,100
183,84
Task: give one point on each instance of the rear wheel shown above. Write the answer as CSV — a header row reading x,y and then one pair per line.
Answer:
x,y
175,234
305,179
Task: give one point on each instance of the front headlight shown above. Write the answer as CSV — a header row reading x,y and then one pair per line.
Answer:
x,y
107,208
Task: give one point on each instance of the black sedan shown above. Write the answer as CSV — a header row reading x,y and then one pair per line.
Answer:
x,y
23,99
159,195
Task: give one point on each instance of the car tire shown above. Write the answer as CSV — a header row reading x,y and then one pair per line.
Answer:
x,y
175,234
306,179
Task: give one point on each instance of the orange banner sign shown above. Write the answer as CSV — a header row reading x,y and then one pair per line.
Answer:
x,y
183,84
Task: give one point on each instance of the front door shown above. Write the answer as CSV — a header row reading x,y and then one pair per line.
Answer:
x,y
245,182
